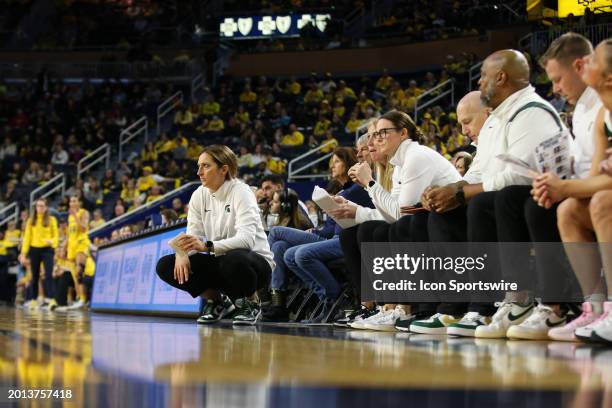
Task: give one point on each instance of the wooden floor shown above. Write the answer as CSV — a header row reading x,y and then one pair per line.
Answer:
x,y
131,361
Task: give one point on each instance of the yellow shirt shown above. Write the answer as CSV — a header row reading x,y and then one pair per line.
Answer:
x,y
210,108
352,125
329,148
36,234
90,267
339,111
13,237
183,119
363,105
75,232
93,224
193,152
314,96
294,139
215,125
276,166
346,93
384,83
153,197
149,156
321,127
129,195
248,97
146,182
167,146
3,247
243,117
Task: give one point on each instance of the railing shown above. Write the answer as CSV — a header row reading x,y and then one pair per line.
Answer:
x,y
538,41
135,70
141,126
144,207
101,155
293,174
13,214
166,107
450,84
57,183
474,75
197,83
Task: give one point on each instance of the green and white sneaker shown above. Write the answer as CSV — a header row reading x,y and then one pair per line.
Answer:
x,y
467,325
249,313
215,310
436,324
508,314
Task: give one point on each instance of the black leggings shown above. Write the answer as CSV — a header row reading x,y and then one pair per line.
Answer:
x,y
238,273
62,284
412,228
45,255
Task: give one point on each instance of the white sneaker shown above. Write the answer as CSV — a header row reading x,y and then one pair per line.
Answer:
x,y
386,322
602,332
566,333
31,304
508,314
78,305
536,327
584,333
360,324
467,325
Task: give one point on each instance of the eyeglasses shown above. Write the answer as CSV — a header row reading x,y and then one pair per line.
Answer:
x,y
382,134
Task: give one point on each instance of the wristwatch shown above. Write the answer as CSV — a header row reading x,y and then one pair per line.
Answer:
x,y
210,247
460,196
371,184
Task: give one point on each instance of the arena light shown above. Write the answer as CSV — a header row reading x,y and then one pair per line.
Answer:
x,y
270,26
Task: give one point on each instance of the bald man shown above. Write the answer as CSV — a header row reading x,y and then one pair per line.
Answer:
x,y
472,114
519,120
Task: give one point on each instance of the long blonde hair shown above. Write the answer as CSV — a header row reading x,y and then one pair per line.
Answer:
x,y
384,173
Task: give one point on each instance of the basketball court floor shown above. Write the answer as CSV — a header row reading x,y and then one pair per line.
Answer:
x,y
141,361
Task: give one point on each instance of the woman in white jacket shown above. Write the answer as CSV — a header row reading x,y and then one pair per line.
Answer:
x,y
225,254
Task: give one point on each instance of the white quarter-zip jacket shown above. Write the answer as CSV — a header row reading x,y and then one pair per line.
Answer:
x,y
518,138
583,127
229,218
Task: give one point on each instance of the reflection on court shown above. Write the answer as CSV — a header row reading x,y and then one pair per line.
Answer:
x,y
146,361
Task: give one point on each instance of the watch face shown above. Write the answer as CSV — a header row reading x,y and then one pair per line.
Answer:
x,y
371,183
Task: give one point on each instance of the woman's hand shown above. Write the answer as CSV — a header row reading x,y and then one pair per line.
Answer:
x,y
22,259
182,269
190,243
606,165
345,210
361,173
547,190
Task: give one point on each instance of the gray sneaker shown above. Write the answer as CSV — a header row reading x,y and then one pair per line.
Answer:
x,y
248,314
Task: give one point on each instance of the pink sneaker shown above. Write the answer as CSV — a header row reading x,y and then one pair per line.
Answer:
x,y
566,333
584,333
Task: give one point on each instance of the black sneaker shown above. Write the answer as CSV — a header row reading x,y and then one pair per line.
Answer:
x,y
213,311
359,314
276,314
248,314
404,325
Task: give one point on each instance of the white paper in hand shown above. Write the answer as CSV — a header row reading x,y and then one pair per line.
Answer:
x,y
327,203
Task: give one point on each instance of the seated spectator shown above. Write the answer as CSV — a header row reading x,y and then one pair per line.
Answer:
x,y
155,194
338,110
178,207
119,209
215,125
293,138
92,193
183,117
97,220
109,182
462,162
242,116
314,95
353,123
210,107
364,104
321,126
130,192
60,155
248,96
33,175
345,93
384,82
147,181
333,142
150,153
194,149
168,216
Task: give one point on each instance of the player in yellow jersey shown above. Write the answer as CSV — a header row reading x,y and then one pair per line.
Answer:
x,y
78,243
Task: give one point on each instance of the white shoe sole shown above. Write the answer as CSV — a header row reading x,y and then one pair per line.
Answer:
x,y
378,327
427,330
225,313
514,332
459,331
247,322
490,335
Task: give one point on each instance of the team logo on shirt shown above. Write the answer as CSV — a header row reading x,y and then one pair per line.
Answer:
x,y
227,208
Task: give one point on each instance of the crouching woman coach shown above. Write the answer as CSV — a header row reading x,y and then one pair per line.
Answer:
x,y
229,256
